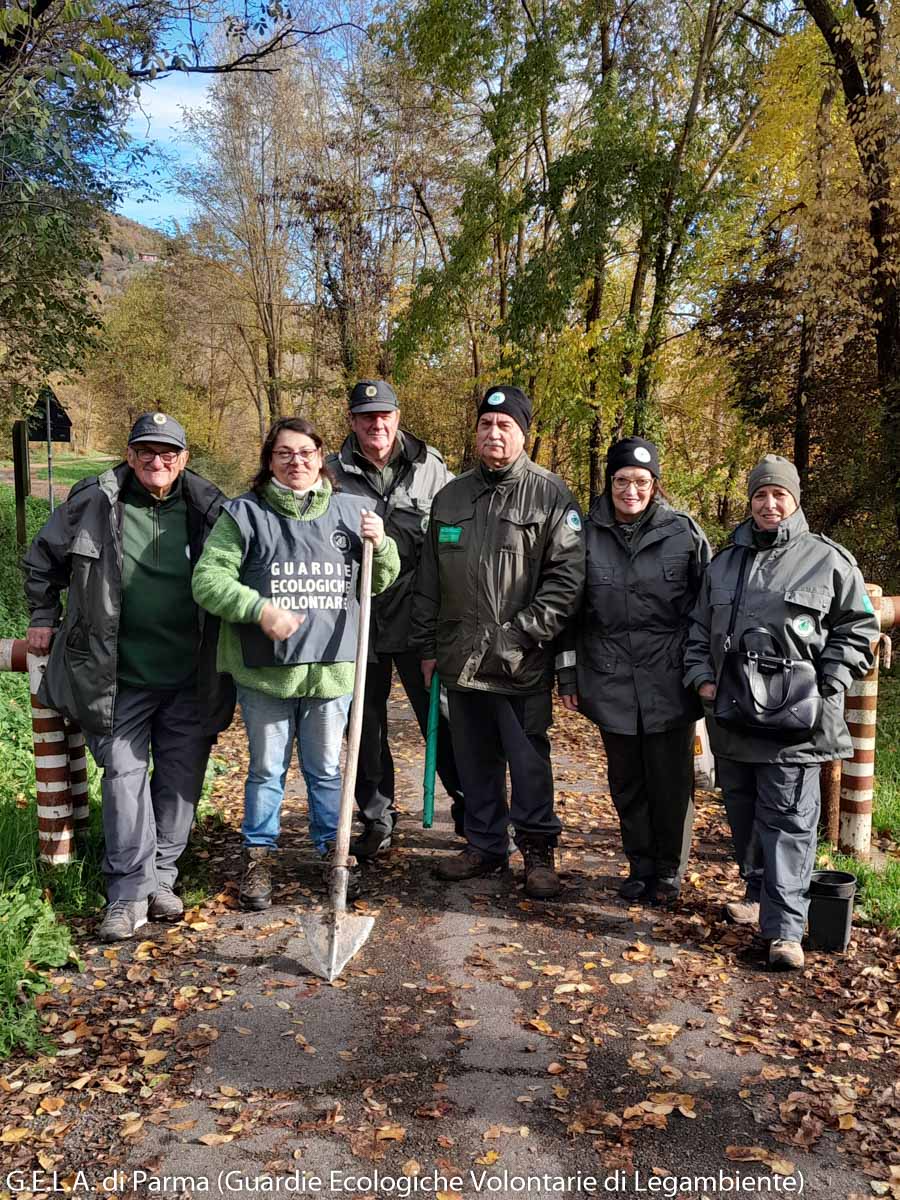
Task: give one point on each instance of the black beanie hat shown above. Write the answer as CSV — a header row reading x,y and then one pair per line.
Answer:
x,y
632,452
509,400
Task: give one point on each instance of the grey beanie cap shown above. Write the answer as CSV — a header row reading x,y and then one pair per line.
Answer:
x,y
774,471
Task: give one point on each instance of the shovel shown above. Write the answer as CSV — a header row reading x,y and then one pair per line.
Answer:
x,y
332,940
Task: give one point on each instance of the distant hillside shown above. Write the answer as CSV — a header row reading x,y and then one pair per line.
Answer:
x,y
129,249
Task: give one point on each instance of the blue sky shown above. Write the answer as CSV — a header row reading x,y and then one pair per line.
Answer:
x,y
158,121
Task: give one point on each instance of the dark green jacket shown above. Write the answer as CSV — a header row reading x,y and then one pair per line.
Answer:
x,y
809,593
80,550
419,475
502,573
633,623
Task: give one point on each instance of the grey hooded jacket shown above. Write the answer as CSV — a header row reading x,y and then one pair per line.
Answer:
x,y
405,509
630,634
79,550
809,593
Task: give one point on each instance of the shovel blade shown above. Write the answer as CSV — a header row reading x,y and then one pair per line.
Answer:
x,y
331,942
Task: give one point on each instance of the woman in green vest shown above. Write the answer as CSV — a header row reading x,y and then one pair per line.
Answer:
x,y
281,570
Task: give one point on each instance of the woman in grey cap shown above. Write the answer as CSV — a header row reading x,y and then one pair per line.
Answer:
x,y
803,594
644,566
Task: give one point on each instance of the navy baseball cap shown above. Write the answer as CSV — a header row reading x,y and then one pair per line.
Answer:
x,y
158,427
373,395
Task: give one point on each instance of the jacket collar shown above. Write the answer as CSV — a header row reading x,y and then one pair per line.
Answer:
x,y
660,524
488,479
198,492
792,528
412,450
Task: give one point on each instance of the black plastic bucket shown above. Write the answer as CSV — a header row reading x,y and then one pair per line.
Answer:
x,y
831,895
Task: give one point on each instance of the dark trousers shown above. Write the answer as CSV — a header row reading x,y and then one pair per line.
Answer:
x,y
492,732
773,811
147,816
651,778
375,770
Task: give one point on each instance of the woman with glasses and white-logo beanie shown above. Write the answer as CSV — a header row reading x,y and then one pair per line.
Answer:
x,y
645,562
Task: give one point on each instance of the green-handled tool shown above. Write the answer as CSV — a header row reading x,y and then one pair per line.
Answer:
x,y
431,739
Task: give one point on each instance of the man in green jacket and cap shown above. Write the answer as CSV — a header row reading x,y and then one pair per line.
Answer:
x,y
133,658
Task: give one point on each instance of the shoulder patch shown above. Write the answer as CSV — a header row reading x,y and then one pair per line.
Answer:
x,y
573,520
868,605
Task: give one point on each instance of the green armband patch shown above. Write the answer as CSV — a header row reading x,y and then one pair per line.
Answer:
x,y
449,533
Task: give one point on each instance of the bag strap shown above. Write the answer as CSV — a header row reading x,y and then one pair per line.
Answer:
x,y
739,591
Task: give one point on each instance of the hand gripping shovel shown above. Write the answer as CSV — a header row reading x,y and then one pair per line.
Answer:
x,y
332,940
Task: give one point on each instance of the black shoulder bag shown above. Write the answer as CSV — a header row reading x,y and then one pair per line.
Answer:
x,y
765,693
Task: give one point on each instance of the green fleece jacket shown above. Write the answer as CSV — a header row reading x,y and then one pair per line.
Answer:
x,y
218,589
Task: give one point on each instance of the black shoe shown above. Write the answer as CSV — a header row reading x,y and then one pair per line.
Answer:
x,y
541,879
370,842
665,890
634,887
468,864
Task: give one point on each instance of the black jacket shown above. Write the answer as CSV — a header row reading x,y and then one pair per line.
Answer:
x,y
501,574
633,624
79,550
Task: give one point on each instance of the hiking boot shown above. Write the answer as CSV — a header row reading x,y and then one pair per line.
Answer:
x,y
371,841
353,873
165,905
122,920
743,912
541,879
256,883
468,864
785,955
634,887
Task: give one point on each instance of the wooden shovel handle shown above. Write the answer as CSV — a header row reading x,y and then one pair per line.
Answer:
x,y
354,733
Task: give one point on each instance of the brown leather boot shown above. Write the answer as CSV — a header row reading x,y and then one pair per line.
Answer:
x,y
468,864
256,883
541,879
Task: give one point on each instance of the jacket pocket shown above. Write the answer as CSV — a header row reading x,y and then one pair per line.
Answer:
x,y
805,611
675,568
600,658
519,532
510,659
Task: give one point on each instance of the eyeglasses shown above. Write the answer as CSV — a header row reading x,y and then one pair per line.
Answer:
x,y
166,457
640,485
286,456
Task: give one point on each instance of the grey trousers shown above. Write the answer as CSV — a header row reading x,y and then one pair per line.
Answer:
x,y
651,778
147,817
773,810
490,732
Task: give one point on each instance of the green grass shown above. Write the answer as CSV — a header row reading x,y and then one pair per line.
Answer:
x,y
878,888
886,814
67,471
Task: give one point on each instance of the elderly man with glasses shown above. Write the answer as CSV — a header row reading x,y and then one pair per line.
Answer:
x,y
132,660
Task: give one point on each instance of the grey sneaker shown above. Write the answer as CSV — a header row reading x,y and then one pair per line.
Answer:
x,y
122,920
256,883
743,912
165,905
785,955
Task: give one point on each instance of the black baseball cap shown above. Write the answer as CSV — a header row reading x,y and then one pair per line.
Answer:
x,y
158,427
373,395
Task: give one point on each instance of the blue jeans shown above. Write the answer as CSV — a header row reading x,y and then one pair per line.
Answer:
x,y
272,725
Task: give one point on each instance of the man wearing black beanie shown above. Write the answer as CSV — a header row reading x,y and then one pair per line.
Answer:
x,y
501,573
